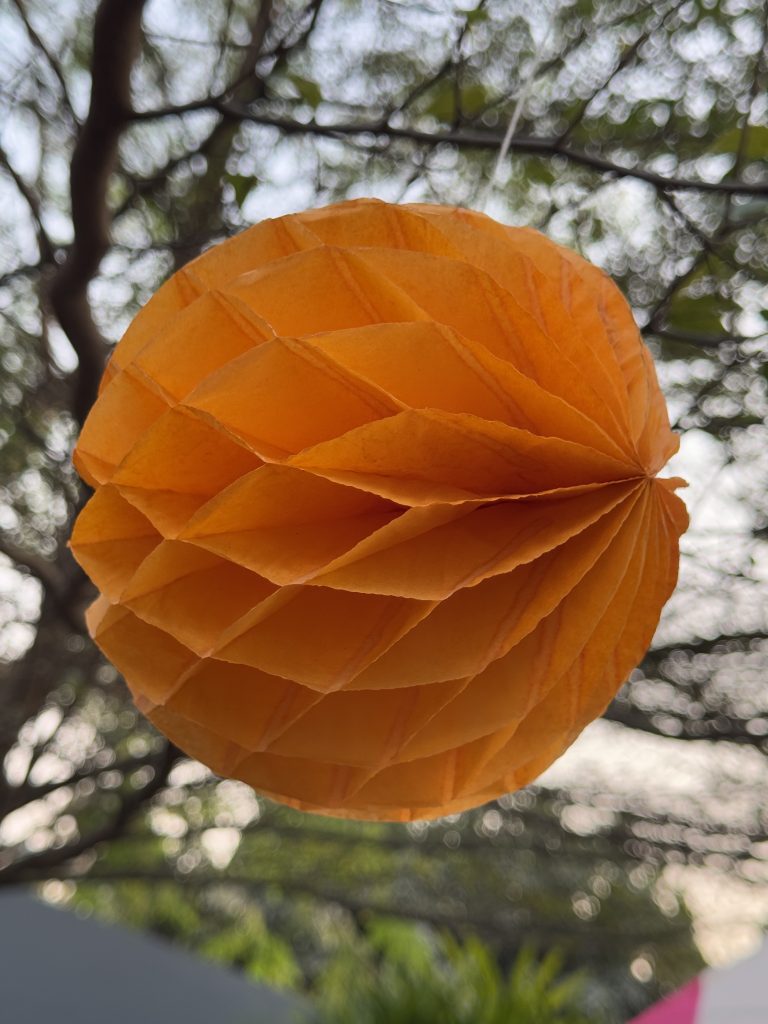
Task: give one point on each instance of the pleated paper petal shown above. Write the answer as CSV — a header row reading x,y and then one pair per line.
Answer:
x,y
376,522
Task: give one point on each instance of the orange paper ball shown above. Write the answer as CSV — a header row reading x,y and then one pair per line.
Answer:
x,y
376,525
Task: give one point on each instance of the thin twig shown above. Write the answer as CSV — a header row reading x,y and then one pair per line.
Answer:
x,y
50,59
107,832
44,244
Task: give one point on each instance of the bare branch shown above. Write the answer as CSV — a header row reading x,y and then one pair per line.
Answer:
x,y
20,796
244,81
117,34
707,242
451,62
694,338
456,918
46,571
200,217
463,139
220,44
24,270
719,729
305,24
60,588
624,61
44,243
741,153
51,60
113,829
735,641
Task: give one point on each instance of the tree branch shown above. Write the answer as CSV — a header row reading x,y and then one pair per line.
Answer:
x,y
117,35
718,729
24,270
734,641
27,793
108,832
501,927
51,60
463,138
47,572
741,153
450,62
43,241
694,338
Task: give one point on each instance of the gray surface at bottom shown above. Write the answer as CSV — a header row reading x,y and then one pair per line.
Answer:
x,y
57,968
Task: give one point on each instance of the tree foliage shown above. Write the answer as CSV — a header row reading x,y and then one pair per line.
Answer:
x,y
403,976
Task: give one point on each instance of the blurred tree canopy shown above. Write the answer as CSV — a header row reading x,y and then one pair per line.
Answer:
x,y
134,134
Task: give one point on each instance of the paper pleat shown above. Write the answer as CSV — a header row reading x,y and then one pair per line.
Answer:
x,y
376,526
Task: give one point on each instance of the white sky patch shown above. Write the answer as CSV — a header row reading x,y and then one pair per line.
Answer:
x,y
63,354
729,913
220,845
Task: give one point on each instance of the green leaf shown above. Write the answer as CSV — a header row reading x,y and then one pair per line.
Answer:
x,y
701,315
243,184
756,146
539,171
718,424
473,98
442,103
308,90
582,9
477,16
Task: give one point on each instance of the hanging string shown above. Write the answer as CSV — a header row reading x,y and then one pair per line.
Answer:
x,y
517,113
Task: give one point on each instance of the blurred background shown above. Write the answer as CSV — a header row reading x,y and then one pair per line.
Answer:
x,y
133,135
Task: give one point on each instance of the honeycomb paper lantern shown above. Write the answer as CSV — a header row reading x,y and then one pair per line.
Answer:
x,y
376,526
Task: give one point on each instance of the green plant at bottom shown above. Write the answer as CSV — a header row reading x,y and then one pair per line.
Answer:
x,y
403,975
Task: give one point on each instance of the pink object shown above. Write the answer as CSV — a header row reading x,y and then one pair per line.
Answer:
x,y
677,1009
736,995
